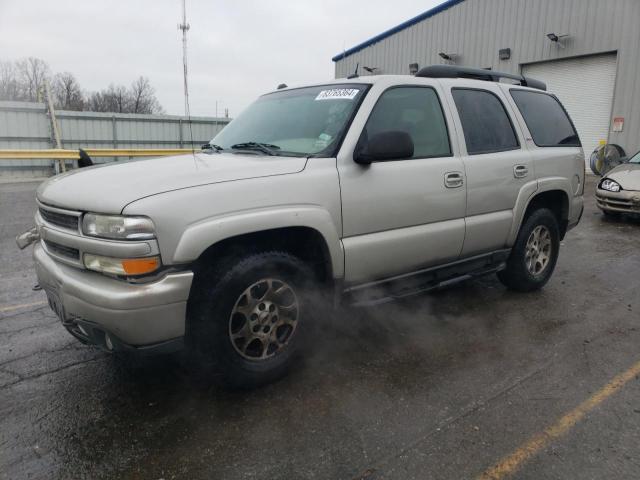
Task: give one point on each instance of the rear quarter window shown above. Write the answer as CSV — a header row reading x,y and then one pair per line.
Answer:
x,y
546,119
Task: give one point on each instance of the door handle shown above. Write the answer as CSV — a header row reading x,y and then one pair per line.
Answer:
x,y
453,179
520,171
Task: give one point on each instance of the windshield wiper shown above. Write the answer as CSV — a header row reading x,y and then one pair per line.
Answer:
x,y
266,148
212,147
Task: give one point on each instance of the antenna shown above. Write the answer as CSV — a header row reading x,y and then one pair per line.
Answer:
x,y
184,26
355,74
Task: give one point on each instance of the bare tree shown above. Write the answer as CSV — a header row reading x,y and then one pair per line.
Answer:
x,y
23,80
140,98
118,99
10,88
96,102
114,99
32,74
143,98
67,93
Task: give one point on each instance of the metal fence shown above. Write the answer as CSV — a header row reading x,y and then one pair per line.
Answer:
x,y
25,125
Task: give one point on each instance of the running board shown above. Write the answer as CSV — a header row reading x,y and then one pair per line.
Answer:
x,y
414,283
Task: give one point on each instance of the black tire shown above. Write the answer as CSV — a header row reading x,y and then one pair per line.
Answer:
x,y
518,275
221,292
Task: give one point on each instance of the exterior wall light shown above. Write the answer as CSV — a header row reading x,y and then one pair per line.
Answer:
x,y
555,38
450,57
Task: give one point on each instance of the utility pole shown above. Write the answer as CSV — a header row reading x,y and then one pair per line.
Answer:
x,y
184,26
54,124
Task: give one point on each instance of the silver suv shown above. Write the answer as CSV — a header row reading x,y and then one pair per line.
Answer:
x,y
402,183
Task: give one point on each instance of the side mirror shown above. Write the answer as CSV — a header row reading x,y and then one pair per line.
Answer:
x,y
384,146
84,160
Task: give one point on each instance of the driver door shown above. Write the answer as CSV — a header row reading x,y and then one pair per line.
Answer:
x,y
402,215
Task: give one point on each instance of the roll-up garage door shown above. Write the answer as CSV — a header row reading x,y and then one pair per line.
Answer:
x,y
585,87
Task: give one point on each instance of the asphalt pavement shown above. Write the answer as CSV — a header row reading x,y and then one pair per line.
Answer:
x,y
469,381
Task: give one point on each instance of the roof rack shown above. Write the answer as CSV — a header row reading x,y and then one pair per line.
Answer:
x,y
452,71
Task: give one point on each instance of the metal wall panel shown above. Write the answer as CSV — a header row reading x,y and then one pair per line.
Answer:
x,y
477,29
26,125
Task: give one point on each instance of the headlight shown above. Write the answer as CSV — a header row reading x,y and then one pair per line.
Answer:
x,y
121,266
610,185
118,227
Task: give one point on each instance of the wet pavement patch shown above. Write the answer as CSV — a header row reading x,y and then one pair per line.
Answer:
x,y
440,386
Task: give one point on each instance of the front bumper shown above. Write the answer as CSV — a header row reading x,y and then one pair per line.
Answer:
x,y
624,201
134,316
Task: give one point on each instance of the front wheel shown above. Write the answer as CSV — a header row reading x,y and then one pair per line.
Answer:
x,y
534,255
250,317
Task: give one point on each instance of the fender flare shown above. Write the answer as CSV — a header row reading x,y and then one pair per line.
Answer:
x,y
199,236
526,195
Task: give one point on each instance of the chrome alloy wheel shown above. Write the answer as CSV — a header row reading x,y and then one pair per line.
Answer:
x,y
538,250
263,319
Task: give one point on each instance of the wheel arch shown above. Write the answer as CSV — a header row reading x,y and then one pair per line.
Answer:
x,y
308,232
305,243
553,194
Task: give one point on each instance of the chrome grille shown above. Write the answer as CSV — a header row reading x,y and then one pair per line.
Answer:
x,y
59,219
62,250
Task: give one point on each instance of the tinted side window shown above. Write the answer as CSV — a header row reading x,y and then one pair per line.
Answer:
x,y
546,119
487,127
417,111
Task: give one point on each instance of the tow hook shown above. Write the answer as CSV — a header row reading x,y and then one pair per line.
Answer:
x,y
27,238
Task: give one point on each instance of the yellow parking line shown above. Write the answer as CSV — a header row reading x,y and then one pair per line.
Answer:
x,y
509,464
23,305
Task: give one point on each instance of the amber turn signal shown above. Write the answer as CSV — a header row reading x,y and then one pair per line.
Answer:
x,y
121,266
140,266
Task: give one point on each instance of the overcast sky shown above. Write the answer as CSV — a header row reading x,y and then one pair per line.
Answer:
x,y
237,49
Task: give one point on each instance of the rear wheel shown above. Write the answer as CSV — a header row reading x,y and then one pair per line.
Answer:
x,y
534,255
250,318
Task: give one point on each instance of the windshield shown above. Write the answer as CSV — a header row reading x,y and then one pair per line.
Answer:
x,y
300,122
635,158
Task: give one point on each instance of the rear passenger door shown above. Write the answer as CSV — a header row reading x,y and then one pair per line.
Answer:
x,y
496,165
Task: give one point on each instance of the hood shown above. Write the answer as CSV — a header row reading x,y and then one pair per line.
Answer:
x,y
108,188
627,175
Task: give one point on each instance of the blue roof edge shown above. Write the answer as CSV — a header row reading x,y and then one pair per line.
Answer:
x,y
412,21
